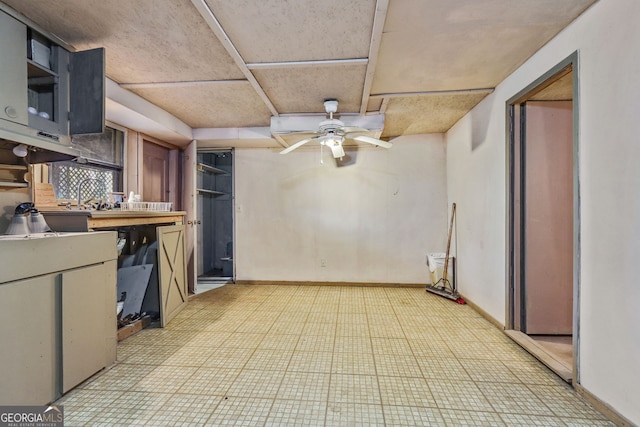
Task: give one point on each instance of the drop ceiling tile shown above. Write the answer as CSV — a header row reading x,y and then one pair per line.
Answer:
x,y
144,40
276,30
427,114
433,45
303,90
374,104
213,105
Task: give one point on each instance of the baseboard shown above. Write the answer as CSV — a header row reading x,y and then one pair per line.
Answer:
x,y
355,284
606,410
483,313
528,344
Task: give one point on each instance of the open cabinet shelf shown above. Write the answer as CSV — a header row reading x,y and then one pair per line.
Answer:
x,y
13,176
203,167
13,184
13,167
211,192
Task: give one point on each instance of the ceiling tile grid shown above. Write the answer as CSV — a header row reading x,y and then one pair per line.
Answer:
x,y
234,64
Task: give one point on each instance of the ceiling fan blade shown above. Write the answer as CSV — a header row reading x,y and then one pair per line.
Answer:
x,y
374,141
297,144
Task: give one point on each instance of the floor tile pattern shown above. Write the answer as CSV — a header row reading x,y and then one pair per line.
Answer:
x,y
307,355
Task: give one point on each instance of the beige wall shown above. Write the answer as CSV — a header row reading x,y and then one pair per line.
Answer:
x,y
606,38
373,221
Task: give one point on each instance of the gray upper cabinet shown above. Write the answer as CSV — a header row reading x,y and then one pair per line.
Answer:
x,y
51,91
13,79
47,71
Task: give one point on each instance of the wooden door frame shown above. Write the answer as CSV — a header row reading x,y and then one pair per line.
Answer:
x,y
569,64
134,178
189,204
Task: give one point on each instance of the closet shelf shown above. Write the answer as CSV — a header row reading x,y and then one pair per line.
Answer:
x,y
203,167
212,192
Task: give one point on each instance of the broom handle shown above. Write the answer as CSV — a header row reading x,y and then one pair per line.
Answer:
x,y
446,257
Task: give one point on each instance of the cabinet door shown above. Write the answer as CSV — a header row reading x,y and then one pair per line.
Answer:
x,y
173,272
28,329
87,92
13,70
88,322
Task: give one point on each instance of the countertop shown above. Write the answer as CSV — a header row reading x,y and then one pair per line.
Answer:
x,y
86,220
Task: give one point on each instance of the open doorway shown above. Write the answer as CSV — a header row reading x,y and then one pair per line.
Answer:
x,y
543,227
215,263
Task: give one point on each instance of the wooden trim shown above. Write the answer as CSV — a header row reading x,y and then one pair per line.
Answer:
x,y
528,344
613,415
175,181
97,223
540,353
132,163
133,328
157,141
483,313
355,284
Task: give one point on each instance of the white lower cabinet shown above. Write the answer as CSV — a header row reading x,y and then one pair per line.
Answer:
x,y
59,327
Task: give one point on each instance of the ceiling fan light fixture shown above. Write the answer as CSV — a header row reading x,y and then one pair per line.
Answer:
x,y
332,140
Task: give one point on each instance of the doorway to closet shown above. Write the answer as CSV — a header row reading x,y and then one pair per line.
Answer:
x,y
544,219
214,183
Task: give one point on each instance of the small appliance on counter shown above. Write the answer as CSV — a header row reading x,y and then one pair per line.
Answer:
x,y
27,220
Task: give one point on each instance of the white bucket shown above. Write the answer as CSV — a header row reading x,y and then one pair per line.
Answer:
x,y
435,262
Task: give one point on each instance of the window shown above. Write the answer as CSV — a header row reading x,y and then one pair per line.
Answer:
x,y
102,166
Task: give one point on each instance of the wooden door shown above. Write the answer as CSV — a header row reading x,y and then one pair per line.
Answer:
x,y
548,218
172,269
155,178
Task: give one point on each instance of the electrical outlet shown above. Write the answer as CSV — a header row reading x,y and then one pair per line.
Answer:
x,y
323,262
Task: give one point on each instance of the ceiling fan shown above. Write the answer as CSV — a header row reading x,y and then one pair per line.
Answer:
x,y
333,132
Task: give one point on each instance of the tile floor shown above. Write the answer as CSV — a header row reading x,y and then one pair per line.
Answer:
x,y
325,355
